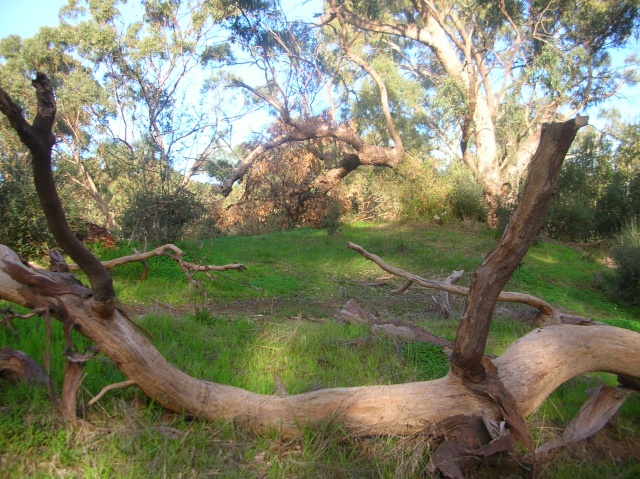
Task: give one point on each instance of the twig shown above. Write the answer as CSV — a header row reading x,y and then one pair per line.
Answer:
x,y
8,315
123,384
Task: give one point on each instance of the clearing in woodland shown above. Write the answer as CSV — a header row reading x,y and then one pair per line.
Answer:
x,y
276,329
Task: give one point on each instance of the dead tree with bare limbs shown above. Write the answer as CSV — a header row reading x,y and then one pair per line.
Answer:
x,y
479,406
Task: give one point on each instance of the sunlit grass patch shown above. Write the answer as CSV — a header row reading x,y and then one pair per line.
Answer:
x,y
278,320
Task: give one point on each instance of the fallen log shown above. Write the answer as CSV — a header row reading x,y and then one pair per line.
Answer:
x,y
530,370
509,388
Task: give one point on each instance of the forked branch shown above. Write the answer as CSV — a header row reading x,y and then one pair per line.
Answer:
x,y
171,251
548,314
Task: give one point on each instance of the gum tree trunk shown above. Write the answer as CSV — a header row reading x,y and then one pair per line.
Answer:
x,y
527,375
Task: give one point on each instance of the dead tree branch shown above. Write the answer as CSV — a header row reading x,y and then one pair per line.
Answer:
x,y
170,251
548,314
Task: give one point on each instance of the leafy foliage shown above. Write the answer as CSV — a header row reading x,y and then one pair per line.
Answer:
x,y
22,224
278,193
598,186
160,218
626,255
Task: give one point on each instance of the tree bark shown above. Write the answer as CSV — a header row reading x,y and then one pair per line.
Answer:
x,y
525,374
548,314
40,140
409,408
490,278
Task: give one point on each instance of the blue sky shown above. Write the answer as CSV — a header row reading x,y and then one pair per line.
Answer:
x,y
25,17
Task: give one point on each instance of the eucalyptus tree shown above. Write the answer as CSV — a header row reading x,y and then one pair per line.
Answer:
x,y
307,85
494,72
167,118
467,81
82,103
478,408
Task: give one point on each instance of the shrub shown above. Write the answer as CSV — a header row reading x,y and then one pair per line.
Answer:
x,y
23,227
613,208
467,200
22,224
423,192
160,218
332,220
626,255
570,221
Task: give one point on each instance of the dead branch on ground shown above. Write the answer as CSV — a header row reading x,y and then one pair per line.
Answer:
x,y
548,314
170,251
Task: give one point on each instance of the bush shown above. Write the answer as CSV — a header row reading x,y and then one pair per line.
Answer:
x,y
160,218
570,221
424,192
613,208
626,255
23,227
22,224
332,220
467,200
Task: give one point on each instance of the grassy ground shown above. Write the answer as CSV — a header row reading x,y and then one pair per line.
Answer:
x,y
278,319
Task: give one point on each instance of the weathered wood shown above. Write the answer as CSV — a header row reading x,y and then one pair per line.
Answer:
x,y
353,313
104,390
550,314
602,404
519,380
409,408
443,296
492,275
39,138
169,250
19,366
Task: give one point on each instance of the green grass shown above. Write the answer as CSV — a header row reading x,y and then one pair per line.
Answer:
x,y
277,319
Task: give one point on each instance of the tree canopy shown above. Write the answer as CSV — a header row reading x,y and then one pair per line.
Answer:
x,y
153,96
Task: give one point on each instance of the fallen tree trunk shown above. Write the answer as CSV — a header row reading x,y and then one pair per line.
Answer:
x,y
508,389
530,369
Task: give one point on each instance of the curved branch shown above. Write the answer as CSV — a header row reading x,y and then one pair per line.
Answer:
x,y
384,97
409,408
549,313
318,128
171,251
39,139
